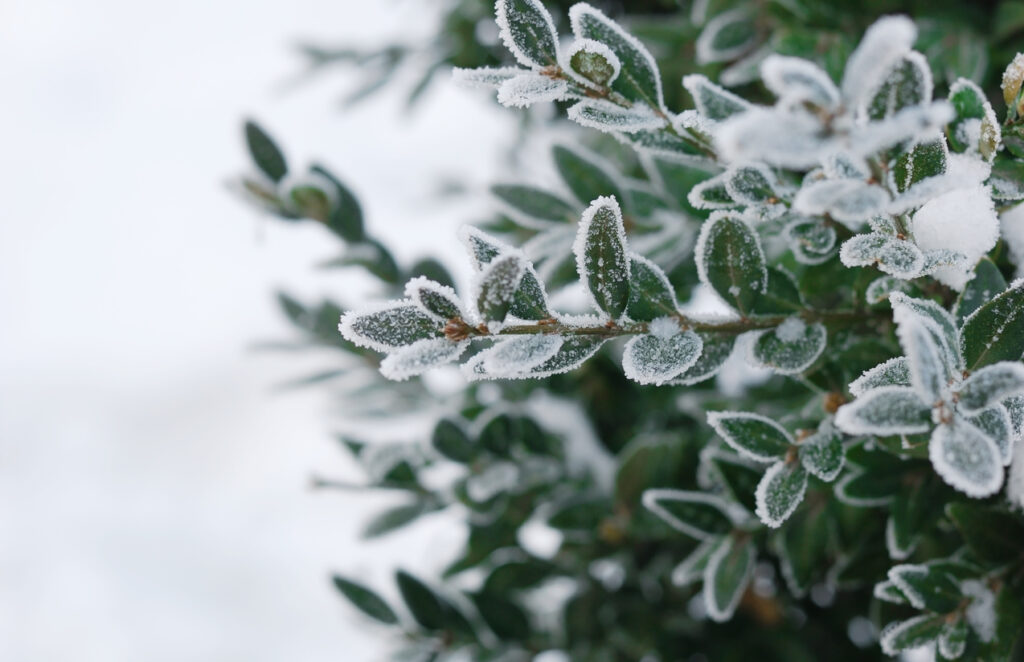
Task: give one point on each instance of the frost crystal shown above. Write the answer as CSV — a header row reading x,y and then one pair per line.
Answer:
x,y
966,459
894,372
389,326
421,356
962,220
591,62
485,77
528,89
657,359
896,257
991,384
528,31
713,102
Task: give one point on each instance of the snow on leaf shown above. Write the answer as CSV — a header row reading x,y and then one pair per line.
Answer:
x,y
496,286
780,492
794,141
962,220
928,374
911,124
886,410
609,117
849,201
822,453
481,246
726,37
991,384
908,83
973,110
894,372
726,577
939,322
752,435
639,79
888,39
717,349
996,423
711,194
421,356
485,77
528,32
811,240
389,326
434,297
966,459
697,514
713,102
788,349
896,257
592,63
601,256
981,612
911,633
730,259
880,288
795,81
519,354
982,288
658,358
528,89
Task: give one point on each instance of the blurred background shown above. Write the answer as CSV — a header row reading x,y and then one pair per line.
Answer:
x,y
154,477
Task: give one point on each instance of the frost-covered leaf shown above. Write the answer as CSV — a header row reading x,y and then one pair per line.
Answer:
x,y
434,297
751,184
711,194
976,128
894,372
584,174
996,423
995,331
650,292
886,591
795,140
780,492
966,459
907,83
606,116
881,288
519,354
928,158
498,282
602,259
930,341
697,514
822,453
991,384
691,569
420,357
593,62
896,257
638,79
789,348
911,633
529,88
1014,407
530,301
572,353
717,349
982,288
730,260
485,77
726,37
726,577
811,240
661,355
883,44
940,224
846,200
926,587
482,247
941,259
953,640
752,435
265,153
1007,180
714,102
528,32
885,411
389,326
909,125
795,81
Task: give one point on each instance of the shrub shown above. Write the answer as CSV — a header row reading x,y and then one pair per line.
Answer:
x,y
828,465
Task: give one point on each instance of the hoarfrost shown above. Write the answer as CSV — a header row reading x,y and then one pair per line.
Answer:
x,y
434,297
710,503
995,422
388,326
751,435
794,141
664,327
924,358
822,453
894,372
485,77
789,349
721,607
751,184
888,39
966,459
779,493
496,285
606,116
896,257
592,47
900,635
605,273
655,359
528,89
713,102
528,32
420,357
962,220
519,354
885,410
795,81
991,384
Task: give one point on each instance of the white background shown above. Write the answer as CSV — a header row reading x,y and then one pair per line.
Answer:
x,y
153,485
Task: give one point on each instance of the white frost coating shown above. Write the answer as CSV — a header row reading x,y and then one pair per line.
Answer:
x,y
910,123
888,39
1015,482
791,330
713,102
583,230
400,315
705,46
508,30
606,116
896,551
1012,229
765,349
742,182
779,493
966,459
846,200
921,78
963,220
692,567
893,630
897,575
884,411
415,288
664,327
887,592
716,612
697,195
651,499
924,358
989,135
894,372
528,89
896,257
657,359
981,613
485,77
519,354
937,321
795,80
421,356
597,48
795,140
470,235
700,250
715,419
497,283
988,385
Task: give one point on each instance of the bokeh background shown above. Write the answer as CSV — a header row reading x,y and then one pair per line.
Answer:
x,y
154,499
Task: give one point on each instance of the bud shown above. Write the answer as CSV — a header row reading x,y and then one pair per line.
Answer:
x,y
593,61
1012,79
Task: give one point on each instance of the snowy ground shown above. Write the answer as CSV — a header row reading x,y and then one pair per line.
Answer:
x,y
153,501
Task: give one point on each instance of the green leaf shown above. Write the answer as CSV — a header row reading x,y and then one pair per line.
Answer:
x,y
593,63
650,293
394,325
780,492
802,546
639,79
601,256
987,282
499,281
969,103
995,331
740,479
370,255
727,574
822,453
987,387
659,357
582,514
535,203
691,569
752,435
911,633
530,301
712,101
730,260
499,434
518,576
726,37
450,440
346,216
265,153
908,83
751,185
911,510
926,587
781,296
430,610
697,514
925,159
1007,180
365,600
393,519
993,534
587,179
716,350
434,298
953,640
506,619
528,32
790,348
